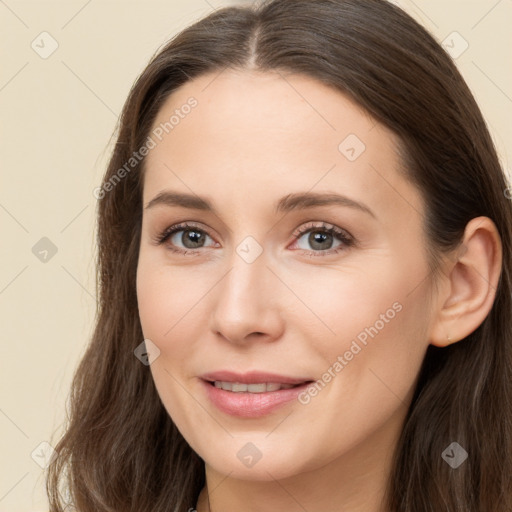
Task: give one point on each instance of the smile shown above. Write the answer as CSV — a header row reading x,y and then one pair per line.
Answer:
x,y
240,387
251,400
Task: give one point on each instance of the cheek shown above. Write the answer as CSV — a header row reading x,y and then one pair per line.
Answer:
x,y
381,352
368,302
165,297
370,368
374,333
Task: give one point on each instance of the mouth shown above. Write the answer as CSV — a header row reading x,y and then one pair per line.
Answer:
x,y
258,387
252,395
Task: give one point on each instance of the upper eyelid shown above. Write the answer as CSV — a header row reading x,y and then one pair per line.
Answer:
x,y
305,225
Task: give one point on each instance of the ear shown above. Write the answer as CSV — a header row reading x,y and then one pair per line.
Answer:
x,y
469,284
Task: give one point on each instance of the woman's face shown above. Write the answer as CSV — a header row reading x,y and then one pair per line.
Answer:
x,y
279,276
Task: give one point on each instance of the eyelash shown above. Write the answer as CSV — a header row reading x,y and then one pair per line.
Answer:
x,y
340,234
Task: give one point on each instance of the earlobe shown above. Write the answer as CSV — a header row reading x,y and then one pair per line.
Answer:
x,y
471,283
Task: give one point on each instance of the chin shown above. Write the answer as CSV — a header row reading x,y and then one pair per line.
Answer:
x,y
261,472
256,460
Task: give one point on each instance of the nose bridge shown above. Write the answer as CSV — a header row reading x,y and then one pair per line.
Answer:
x,y
243,287
245,300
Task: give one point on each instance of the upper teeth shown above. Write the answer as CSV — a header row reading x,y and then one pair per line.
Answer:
x,y
240,387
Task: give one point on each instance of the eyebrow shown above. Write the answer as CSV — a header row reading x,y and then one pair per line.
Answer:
x,y
295,201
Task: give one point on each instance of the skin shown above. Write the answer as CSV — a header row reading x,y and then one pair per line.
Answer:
x,y
252,139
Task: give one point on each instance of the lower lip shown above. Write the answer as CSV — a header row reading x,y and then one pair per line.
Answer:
x,y
251,405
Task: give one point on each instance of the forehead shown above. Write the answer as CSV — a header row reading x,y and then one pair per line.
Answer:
x,y
253,135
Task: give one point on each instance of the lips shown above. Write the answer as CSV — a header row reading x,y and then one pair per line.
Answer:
x,y
252,395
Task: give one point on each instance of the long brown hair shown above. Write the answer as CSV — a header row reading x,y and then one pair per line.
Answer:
x,y
121,451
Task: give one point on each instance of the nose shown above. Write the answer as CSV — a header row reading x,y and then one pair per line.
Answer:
x,y
246,303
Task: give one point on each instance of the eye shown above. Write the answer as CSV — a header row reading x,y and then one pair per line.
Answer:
x,y
321,237
191,238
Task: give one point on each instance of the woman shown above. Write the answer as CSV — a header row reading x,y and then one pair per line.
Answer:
x,y
237,363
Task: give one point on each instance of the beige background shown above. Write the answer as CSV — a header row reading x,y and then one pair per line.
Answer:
x,y
57,117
